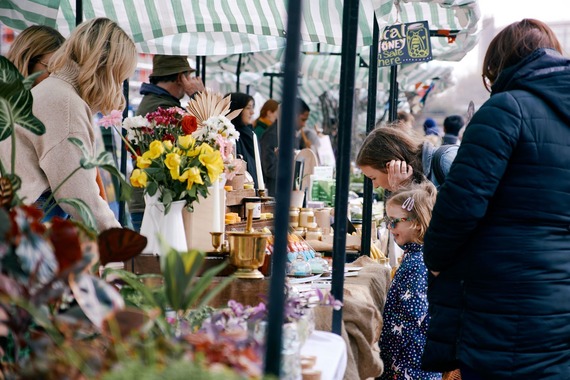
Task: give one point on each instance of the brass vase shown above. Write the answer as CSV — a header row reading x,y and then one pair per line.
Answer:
x,y
247,252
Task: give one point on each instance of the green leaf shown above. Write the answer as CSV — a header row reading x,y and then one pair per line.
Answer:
x,y
173,273
105,162
152,188
134,282
202,285
83,210
15,102
78,143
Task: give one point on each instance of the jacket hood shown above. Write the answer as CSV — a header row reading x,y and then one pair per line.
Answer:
x,y
149,88
546,74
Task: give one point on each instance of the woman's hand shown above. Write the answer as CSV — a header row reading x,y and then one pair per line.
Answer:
x,y
399,172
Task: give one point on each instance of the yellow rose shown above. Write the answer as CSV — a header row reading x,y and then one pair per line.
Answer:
x,y
213,163
205,149
143,161
172,161
155,149
167,144
193,176
186,141
138,178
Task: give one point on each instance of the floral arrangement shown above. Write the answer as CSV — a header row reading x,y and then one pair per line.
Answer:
x,y
180,153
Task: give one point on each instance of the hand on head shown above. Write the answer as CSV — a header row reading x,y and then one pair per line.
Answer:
x,y
192,84
398,173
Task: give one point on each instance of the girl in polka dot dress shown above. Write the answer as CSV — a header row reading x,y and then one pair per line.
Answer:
x,y
406,311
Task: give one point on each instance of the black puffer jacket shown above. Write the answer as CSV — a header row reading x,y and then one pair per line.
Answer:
x,y
500,232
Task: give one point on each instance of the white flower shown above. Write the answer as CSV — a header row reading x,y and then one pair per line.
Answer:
x,y
213,127
132,123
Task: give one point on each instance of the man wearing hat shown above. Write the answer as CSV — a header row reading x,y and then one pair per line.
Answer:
x,y
169,82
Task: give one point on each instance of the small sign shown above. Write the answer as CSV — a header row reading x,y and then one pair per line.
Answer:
x,y
404,43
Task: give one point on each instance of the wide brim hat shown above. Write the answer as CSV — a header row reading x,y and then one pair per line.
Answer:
x,y
163,65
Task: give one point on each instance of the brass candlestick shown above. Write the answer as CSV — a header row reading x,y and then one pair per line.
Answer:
x,y
217,241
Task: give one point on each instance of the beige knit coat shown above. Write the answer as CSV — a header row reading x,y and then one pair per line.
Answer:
x,y
43,162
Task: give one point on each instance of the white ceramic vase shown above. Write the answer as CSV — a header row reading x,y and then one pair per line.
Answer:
x,y
170,225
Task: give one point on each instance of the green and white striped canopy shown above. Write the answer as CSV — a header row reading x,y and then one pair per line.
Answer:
x,y
222,27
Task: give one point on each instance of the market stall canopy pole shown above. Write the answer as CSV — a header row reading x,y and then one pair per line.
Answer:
x,y
370,124
346,104
393,102
283,195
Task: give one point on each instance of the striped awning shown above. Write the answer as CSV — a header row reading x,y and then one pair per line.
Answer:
x,y
223,27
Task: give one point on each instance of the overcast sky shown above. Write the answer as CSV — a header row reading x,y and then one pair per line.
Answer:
x,y
508,11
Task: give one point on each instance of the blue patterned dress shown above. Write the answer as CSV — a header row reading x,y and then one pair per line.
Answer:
x,y
406,319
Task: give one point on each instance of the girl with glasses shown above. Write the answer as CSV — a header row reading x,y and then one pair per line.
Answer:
x,y
406,311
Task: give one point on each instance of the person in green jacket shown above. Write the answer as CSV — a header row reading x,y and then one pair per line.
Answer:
x,y
267,116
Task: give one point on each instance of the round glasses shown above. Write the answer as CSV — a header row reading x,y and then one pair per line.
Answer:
x,y
391,223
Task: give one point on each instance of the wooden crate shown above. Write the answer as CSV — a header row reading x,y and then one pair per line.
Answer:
x,y
234,197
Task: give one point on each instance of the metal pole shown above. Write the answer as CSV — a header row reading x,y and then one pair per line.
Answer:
x,y
346,104
198,62
271,87
204,70
78,12
238,72
283,195
393,101
370,124
124,154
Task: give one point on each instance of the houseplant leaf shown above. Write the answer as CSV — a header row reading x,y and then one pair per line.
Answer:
x,y
83,210
104,161
15,102
119,244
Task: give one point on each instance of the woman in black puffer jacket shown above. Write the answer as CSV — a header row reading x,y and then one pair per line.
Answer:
x,y
499,238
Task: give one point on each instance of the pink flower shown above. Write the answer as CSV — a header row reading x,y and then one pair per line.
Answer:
x,y
114,119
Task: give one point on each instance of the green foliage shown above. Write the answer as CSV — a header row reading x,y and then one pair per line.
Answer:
x,y
16,101
177,369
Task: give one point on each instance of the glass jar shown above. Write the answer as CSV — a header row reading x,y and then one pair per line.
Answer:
x,y
294,217
318,264
300,267
307,218
314,234
300,231
256,201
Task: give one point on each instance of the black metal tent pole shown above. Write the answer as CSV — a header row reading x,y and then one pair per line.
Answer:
x,y
124,155
393,99
283,195
370,124
204,70
78,12
238,72
346,104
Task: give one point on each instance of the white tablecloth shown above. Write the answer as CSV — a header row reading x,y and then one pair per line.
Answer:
x,y
331,352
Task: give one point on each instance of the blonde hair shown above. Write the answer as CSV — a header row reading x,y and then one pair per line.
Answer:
x,y
422,197
31,44
105,55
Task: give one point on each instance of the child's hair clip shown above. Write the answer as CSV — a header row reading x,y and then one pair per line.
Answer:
x,y
408,204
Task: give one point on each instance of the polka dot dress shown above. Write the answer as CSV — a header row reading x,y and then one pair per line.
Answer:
x,y
406,320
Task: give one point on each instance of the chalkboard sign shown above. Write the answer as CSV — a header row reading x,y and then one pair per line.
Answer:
x,y
405,43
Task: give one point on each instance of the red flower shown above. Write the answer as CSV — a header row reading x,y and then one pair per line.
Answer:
x,y
169,136
189,124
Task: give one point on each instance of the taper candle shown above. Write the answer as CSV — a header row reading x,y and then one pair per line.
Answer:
x,y
259,172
